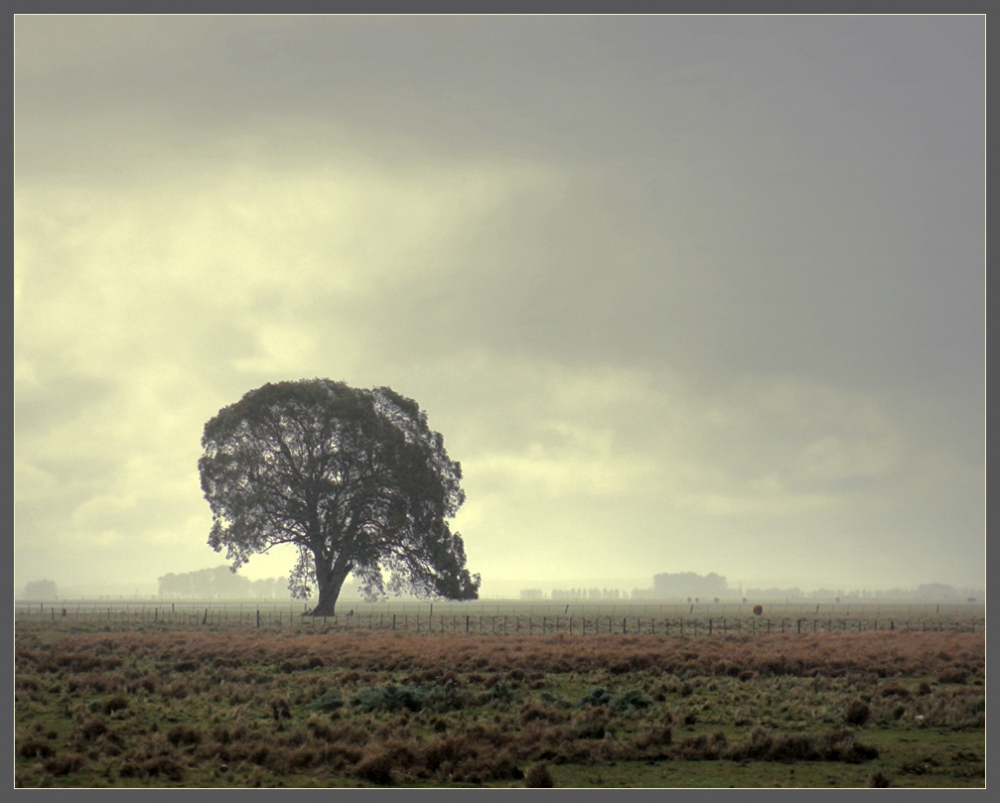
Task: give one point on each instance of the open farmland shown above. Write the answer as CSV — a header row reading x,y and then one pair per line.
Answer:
x,y
212,699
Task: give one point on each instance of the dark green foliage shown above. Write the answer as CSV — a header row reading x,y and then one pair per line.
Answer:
x,y
354,478
628,700
502,692
329,701
596,697
390,698
632,699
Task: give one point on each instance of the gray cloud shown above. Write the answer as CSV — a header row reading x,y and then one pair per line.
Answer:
x,y
691,292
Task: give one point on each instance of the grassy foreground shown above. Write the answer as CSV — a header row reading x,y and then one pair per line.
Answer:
x,y
151,705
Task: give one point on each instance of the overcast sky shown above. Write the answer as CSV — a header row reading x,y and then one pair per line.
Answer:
x,y
681,293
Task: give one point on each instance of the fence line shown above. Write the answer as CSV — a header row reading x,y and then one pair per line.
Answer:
x,y
884,610
289,616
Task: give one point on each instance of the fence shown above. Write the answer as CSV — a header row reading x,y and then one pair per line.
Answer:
x,y
286,617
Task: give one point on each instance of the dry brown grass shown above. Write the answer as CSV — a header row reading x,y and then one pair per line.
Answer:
x,y
952,656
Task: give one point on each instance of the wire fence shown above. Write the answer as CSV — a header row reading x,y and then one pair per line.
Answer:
x,y
512,618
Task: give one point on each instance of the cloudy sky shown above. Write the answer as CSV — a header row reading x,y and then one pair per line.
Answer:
x,y
681,293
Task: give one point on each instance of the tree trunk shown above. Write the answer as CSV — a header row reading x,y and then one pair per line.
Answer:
x,y
330,582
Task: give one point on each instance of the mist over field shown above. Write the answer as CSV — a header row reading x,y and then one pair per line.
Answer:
x,y
682,294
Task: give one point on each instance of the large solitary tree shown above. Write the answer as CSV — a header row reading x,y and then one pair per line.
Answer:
x,y
354,478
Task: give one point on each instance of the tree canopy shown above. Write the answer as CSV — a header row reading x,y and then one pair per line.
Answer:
x,y
354,478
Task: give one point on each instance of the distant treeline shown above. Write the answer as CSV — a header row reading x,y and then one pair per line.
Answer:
x,y
691,587
926,591
589,593
40,589
220,583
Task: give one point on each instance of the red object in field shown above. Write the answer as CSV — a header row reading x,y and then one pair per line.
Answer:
x,y
758,610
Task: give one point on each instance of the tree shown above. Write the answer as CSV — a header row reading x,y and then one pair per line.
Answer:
x,y
354,478
41,589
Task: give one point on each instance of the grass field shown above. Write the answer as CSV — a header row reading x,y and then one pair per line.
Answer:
x,y
134,702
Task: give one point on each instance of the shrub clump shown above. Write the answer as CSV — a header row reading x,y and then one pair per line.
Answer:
x,y
632,699
164,766
596,696
839,745
592,723
501,692
116,703
181,735
329,701
702,747
857,712
539,777
879,780
438,697
93,728
36,748
64,765
377,766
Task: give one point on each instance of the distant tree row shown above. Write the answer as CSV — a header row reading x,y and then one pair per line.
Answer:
x,y
689,584
221,583
589,593
926,591
40,589
575,593
713,587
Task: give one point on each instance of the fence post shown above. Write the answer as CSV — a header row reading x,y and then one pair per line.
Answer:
x,y
624,625
466,623
710,625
